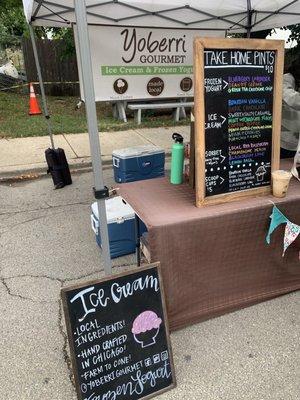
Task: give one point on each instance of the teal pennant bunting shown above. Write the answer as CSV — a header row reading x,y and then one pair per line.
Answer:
x,y
277,218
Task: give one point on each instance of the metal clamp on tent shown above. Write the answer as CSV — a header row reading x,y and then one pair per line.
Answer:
x,y
101,193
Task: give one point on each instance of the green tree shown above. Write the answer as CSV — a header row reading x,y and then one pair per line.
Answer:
x,y
12,21
9,4
295,33
66,35
13,25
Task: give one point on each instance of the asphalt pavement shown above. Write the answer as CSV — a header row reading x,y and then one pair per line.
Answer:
x,y
46,243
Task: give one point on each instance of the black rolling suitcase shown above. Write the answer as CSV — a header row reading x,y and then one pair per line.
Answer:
x,y
58,167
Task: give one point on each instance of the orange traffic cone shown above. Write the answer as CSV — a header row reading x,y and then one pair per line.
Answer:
x,y
34,108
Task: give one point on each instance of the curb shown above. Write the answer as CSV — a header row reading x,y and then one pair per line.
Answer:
x,y
36,172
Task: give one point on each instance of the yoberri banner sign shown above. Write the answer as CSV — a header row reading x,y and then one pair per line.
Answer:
x,y
140,63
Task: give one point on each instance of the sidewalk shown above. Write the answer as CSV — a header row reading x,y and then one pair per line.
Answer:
x,y
27,155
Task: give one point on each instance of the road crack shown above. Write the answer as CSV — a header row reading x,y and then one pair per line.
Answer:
x,y
9,291
62,281
11,227
7,288
49,206
65,353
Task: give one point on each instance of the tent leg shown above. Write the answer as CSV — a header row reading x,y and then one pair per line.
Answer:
x,y
89,94
249,21
42,88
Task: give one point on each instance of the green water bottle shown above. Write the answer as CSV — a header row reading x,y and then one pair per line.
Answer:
x,y
177,159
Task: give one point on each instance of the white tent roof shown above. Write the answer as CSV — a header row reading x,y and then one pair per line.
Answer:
x,y
226,15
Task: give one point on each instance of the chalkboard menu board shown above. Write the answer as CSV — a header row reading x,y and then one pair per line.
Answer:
x,y
118,336
239,134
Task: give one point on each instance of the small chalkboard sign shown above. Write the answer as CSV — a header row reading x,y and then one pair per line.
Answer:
x,y
118,335
238,86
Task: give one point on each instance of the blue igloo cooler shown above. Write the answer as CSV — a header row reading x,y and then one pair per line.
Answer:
x,y
138,163
121,226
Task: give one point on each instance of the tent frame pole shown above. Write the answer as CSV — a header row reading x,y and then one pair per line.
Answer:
x,y
90,104
249,19
41,82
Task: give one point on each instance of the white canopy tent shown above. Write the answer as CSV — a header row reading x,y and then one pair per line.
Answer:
x,y
229,16
225,15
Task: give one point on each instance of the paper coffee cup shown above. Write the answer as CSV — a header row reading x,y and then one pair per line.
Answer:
x,y
280,182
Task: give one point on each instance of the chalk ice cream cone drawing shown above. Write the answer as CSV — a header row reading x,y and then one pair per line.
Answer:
x,y
260,173
145,328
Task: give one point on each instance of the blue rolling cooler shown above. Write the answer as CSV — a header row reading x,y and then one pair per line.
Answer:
x,y
121,226
138,163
